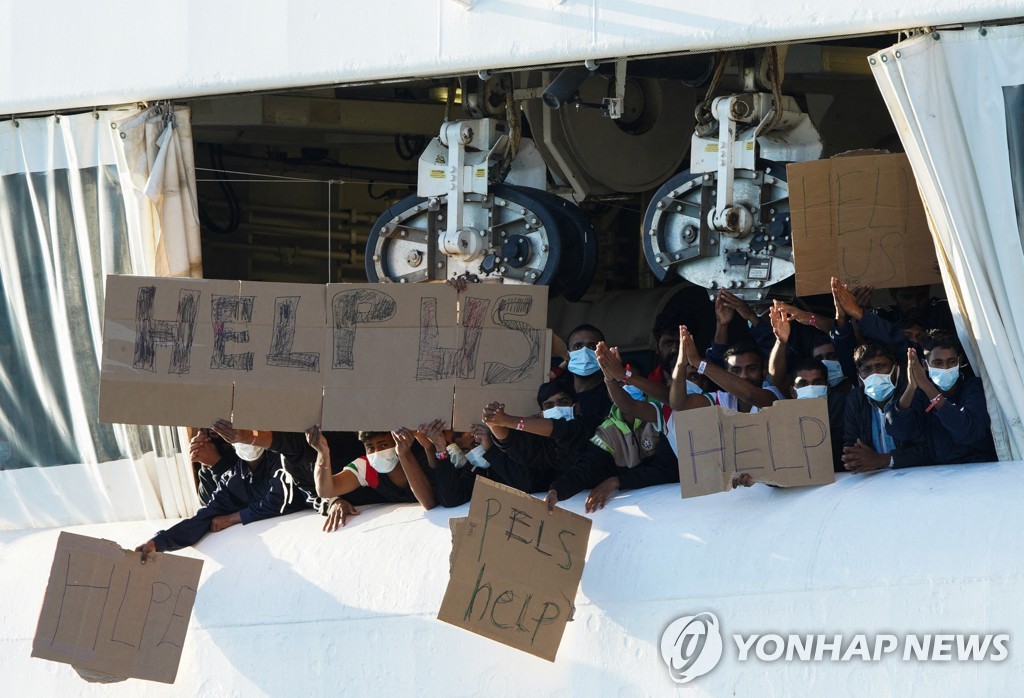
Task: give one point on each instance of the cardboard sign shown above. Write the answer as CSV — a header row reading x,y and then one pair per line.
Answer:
x,y
515,569
184,352
106,612
787,444
858,218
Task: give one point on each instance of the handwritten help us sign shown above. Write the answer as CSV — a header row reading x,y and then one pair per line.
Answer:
x,y
515,569
107,613
184,352
787,444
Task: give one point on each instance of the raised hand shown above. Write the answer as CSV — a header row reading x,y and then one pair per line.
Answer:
x,y
482,436
315,438
846,302
610,363
435,433
688,353
724,311
779,318
403,440
494,414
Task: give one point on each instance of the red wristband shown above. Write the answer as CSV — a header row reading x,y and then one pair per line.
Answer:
x,y
521,425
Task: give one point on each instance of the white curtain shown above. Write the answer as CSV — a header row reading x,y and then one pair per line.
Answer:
x,y
111,192
952,97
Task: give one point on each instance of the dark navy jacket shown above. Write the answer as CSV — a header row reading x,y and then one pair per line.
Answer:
x,y
252,490
957,433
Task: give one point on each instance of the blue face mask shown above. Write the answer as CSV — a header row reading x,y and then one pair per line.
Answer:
x,y
558,413
583,362
634,392
944,378
879,386
835,372
809,391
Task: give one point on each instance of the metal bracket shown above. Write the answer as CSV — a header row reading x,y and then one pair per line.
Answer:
x,y
612,106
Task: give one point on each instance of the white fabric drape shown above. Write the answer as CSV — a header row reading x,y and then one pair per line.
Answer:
x,y
946,95
82,197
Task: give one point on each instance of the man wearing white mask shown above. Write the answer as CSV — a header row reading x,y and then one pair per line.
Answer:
x,y
810,378
868,443
587,379
943,406
249,491
389,467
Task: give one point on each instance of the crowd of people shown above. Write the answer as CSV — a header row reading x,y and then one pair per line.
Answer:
x,y
900,394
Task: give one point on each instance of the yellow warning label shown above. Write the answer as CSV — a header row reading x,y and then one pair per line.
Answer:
x,y
481,172
750,145
711,148
437,174
439,160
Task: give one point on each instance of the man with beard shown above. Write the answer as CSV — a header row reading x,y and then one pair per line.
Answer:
x,y
868,441
666,344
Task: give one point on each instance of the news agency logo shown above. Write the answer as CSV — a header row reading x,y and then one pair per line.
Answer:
x,y
692,646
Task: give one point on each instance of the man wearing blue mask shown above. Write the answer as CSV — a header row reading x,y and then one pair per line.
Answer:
x,y
541,446
943,406
868,443
823,350
588,382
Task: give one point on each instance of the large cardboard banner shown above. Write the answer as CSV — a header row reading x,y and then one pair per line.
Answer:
x,y
183,352
106,612
787,444
515,569
858,218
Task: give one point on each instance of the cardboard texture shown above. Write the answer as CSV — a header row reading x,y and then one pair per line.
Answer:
x,y
515,569
787,444
287,356
860,219
515,345
106,612
157,351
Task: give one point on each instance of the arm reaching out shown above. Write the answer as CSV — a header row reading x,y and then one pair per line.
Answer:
x,y
417,479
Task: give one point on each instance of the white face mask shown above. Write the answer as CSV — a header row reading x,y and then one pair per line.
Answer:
x,y
476,457
383,461
458,457
809,391
247,452
944,378
558,413
692,388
